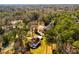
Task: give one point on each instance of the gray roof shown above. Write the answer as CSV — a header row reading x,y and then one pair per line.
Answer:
x,y
50,26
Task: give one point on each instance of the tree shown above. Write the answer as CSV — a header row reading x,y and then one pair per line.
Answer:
x,y
65,30
33,16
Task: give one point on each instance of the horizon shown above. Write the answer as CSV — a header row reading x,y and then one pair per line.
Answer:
x,y
42,5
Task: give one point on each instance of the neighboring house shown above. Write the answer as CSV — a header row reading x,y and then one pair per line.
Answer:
x,y
69,49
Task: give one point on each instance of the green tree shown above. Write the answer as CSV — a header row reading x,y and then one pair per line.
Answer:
x,y
33,16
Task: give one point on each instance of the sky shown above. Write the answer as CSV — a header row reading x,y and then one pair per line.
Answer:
x,y
39,1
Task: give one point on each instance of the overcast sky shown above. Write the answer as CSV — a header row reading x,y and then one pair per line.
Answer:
x,y
39,1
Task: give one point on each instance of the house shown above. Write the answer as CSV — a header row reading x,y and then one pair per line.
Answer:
x,y
40,29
